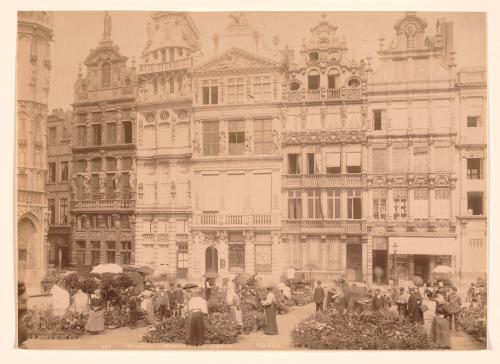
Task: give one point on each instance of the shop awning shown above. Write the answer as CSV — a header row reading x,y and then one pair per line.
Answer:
x,y
422,245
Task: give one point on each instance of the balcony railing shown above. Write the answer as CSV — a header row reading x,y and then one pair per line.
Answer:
x,y
345,225
324,180
324,94
234,220
471,77
163,67
103,204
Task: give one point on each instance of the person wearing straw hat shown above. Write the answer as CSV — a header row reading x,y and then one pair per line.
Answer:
x,y
440,329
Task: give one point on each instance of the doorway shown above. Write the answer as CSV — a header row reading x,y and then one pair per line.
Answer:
x,y
354,262
211,260
421,266
380,266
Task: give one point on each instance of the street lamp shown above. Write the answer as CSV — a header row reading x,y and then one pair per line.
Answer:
x,y
394,268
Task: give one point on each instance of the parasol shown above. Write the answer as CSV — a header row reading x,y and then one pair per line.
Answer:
x,y
189,285
107,268
210,275
140,268
242,279
442,269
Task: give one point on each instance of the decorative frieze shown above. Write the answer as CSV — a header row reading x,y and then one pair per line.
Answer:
x,y
314,137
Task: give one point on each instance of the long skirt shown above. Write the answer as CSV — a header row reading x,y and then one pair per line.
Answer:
x,y
440,332
147,305
236,315
195,333
96,321
271,327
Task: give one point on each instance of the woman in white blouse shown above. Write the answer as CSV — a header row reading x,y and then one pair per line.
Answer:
x,y
271,327
197,307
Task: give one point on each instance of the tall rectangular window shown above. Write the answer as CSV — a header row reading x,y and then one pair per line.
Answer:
x,y
311,163
111,133
236,91
354,204
441,159
52,172
294,204
95,254
64,171
236,136
127,132
333,162
263,258
96,134
378,119
333,204
52,209
263,136
353,162
80,166
182,260
262,89
111,164
125,252
63,211
210,92
314,208
81,246
293,164
52,135
379,160
420,160
96,165
81,135
475,203
236,255
400,198
473,121
313,80
473,168
441,203
379,204
210,138
420,203
110,252
400,160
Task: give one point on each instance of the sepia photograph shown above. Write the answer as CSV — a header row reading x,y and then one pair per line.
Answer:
x,y
272,180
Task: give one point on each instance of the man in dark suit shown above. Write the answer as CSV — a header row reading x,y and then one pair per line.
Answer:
x,y
455,304
378,301
179,300
319,296
171,300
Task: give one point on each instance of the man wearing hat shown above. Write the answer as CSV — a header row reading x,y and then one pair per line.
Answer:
x,y
454,303
171,300
402,302
179,300
163,302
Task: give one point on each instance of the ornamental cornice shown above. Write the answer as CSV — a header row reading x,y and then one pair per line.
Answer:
x,y
316,137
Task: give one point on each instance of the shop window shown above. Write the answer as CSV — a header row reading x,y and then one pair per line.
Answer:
x,y
64,171
379,204
353,162
474,168
313,80
236,137
52,135
236,255
294,205
354,204
333,165
263,136
96,134
473,121
333,203
293,164
379,160
314,208
210,138
263,258
52,172
400,199
475,203
127,131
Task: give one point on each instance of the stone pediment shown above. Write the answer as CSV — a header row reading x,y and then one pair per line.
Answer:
x,y
234,60
104,53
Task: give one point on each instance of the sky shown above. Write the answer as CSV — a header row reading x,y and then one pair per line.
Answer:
x,y
76,33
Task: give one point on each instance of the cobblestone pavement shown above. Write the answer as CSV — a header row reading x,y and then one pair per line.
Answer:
x,y
126,338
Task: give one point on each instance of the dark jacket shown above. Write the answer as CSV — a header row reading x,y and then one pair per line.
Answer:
x,y
171,297
454,301
179,296
319,294
378,302
162,299
414,308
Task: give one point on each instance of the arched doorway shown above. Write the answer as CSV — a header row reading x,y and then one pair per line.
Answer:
x,y
211,260
27,239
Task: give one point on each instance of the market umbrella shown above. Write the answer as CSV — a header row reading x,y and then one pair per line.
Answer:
x,y
211,275
189,285
140,268
242,279
442,269
107,268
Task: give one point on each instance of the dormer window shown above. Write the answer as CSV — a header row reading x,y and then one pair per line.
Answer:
x,y
313,79
106,74
354,82
294,85
313,57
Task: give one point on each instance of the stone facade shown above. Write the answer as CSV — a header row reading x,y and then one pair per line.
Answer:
x,y
34,34
103,180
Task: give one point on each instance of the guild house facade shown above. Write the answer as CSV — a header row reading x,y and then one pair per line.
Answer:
x,y
257,158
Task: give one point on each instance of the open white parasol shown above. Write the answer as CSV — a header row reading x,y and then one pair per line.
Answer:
x,y
107,268
442,269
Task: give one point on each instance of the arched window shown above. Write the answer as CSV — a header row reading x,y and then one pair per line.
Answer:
x,y
313,79
333,75
354,82
106,74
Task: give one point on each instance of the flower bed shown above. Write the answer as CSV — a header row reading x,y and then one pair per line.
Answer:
x,y
334,331
116,317
218,330
302,297
473,321
46,325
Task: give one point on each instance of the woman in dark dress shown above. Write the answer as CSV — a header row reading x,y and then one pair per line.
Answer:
x,y
197,308
271,327
95,324
440,329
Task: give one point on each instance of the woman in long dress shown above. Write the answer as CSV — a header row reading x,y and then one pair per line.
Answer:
x,y
95,323
440,329
233,299
147,304
197,307
271,327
